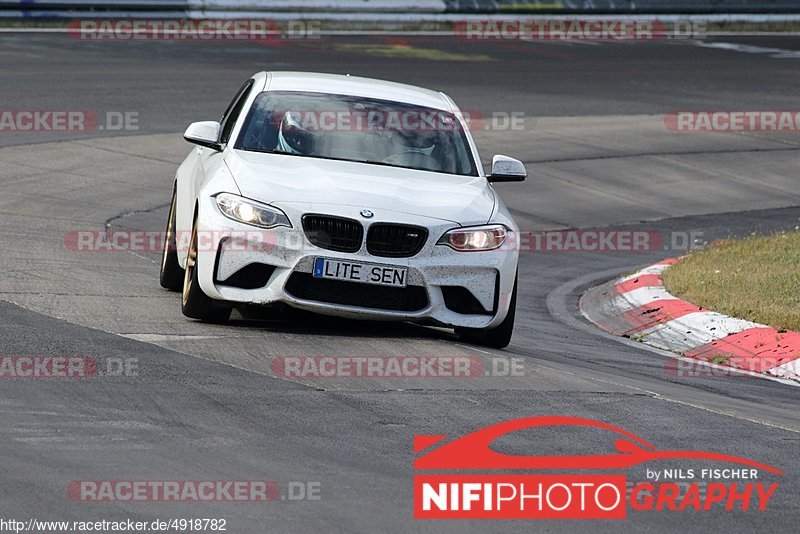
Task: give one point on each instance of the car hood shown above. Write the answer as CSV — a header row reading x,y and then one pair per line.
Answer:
x,y
279,179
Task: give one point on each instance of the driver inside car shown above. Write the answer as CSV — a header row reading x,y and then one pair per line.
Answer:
x,y
294,137
415,148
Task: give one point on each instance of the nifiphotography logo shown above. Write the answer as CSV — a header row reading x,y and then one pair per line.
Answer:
x,y
730,483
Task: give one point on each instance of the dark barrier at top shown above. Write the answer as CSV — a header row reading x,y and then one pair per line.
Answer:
x,y
30,5
67,8
623,6
193,7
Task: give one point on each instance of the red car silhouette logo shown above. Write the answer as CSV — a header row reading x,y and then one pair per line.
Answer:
x,y
473,451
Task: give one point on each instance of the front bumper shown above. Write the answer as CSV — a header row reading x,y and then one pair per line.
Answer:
x,y
227,247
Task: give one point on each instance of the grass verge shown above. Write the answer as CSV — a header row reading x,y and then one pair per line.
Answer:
x,y
757,278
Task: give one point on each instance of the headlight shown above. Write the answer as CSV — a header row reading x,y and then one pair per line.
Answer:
x,y
474,239
251,212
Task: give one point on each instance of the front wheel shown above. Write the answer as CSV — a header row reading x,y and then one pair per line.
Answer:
x,y
498,337
194,303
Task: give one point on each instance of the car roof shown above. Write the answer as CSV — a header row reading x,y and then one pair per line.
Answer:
x,y
355,86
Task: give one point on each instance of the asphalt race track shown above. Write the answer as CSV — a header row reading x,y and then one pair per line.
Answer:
x,y
203,403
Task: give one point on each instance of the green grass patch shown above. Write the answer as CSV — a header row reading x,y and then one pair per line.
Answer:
x,y
719,359
757,278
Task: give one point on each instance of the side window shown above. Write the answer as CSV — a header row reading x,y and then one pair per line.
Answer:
x,y
232,113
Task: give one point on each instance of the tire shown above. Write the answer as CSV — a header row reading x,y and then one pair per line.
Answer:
x,y
498,337
171,276
194,303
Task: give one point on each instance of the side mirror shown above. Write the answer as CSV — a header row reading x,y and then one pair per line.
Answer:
x,y
505,169
204,133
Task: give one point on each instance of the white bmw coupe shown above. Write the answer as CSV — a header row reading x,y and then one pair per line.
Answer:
x,y
345,196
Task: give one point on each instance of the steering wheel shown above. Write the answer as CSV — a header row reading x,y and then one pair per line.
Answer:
x,y
430,163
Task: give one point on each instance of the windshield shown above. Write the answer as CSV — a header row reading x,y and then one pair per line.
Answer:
x,y
358,129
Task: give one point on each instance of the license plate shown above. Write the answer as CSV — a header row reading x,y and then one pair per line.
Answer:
x,y
365,273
